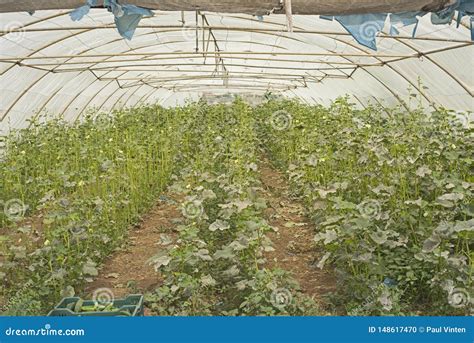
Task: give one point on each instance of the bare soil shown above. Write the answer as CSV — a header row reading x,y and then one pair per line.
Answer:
x,y
128,271
293,242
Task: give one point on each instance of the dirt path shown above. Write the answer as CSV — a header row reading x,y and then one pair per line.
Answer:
x,y
293,243
128,271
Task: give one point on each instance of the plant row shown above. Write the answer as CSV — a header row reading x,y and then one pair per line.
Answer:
x,y
83,185
80,186
217,264
390,192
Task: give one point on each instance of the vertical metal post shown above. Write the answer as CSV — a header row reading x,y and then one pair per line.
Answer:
x,y
197,32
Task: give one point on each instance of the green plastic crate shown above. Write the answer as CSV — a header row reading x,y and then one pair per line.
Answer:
x,y
133,304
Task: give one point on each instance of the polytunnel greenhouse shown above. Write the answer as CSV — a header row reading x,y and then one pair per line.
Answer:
x,y
236,158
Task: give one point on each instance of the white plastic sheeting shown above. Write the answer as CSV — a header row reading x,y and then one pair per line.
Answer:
x,y
50,64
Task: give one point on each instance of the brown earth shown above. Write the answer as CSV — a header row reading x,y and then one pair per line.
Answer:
x,y
293,242
30,237
128,271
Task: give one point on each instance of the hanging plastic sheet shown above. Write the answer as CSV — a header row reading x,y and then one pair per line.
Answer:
x,y
364,28
466,7
82,11
472,28
404,19
129,19
445,15
126,17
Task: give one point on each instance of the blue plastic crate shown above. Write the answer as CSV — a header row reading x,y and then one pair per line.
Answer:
x,y
132,304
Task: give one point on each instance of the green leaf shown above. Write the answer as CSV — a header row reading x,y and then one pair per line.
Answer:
x,y
208,280
159,261
431,243
328,236
89,268
423,171
379,237
203,254
225,253
220,225
448,200
232,271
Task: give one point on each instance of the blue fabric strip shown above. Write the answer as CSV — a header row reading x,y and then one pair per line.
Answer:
x,y
126,17
364,27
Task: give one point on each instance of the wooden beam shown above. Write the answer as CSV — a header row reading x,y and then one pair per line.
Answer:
x,y
177,58
191,72
228,54
175,80
230,86
336,7
150,78
341,7
244,66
